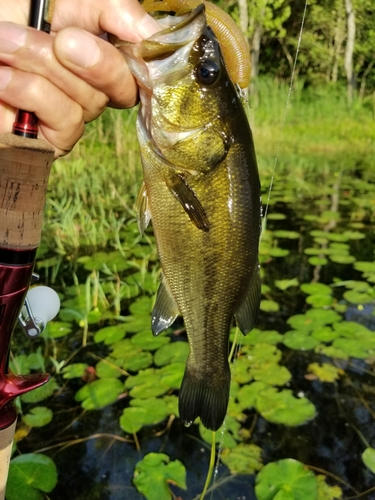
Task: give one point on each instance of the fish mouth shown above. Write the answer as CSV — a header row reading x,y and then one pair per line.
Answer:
x,y
165,51
184,29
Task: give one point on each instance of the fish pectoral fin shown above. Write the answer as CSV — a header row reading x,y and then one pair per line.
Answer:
x,y
143,209
165,310
246,315
189,201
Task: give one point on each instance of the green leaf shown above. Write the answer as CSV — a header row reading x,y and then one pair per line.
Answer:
x,y
43,392
368,458
317,261
226,436
38,416
326,372
57,329
269,306
358,297
109,368
324,334
300,340
75,370
242,459
326,492
279,407
286,283
146,384
171,353
319,300
99,393
257,336
131,420
286,479
110,334
148,342
342,259
29,474
153,473
292,235
316,288
365,267
132,358
143,412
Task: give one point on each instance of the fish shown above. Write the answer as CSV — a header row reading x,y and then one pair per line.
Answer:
x,y
201,190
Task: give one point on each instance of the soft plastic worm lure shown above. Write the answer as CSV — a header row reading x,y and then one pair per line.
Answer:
x,y
232,41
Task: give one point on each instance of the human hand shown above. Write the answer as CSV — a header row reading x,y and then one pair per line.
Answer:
x,y
69,78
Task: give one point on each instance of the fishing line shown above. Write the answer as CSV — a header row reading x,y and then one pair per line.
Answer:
x,y
285,115
236,343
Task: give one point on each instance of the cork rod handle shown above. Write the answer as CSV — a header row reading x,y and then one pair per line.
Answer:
x,y
24,171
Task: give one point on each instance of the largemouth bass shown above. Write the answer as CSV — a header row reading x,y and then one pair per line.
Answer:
x,y
201,190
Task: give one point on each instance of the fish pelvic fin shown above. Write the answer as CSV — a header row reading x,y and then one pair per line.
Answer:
x,y
185,194
205,397
247,313
165,310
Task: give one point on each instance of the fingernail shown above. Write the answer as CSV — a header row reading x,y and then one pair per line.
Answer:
x,y
5,77
147,26
12,37
79,48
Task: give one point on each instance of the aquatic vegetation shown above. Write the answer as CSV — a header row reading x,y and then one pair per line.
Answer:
x,y
303,384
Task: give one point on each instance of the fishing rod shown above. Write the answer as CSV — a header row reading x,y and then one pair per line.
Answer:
x,y
25,163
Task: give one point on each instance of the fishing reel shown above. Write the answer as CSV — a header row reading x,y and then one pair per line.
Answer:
x,y
41,305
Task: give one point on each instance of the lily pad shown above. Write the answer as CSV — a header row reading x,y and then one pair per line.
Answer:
x,y
368,458
75,370
300,340
279,407
110,334
257,336
146,384
38,416
316,289
99,393
41,393
153,473
148,342
242,459
326,372
143,412
269,306
30,475
173,352
286,479
319,300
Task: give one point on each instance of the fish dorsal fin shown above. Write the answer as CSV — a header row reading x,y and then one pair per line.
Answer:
x,y
143,209
246,315
189,201
165,310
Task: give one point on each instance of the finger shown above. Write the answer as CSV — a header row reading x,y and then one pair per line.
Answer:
x,y
98,63
32,51
124,18
60,118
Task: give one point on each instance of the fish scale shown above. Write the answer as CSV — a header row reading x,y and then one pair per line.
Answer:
x,y
203,196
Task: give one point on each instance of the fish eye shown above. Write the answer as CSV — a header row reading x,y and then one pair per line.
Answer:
x,y
207,72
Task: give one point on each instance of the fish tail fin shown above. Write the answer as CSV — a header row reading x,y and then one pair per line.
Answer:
x,y
205,397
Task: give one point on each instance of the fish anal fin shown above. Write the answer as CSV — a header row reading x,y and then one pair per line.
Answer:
x,y
204,397
143,209
165,310
247,313
189,201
